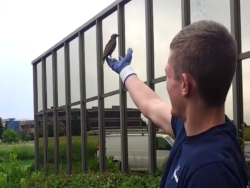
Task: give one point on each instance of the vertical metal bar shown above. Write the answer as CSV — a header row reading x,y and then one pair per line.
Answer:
x,y
185,12
45,127
68,108
102,149
123,95
150,77
82,98
55,115
237,80
36,136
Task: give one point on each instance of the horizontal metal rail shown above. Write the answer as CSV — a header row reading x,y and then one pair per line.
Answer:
x,y
100,16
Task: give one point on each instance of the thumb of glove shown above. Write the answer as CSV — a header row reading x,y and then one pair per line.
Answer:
x,y
128,56
130,51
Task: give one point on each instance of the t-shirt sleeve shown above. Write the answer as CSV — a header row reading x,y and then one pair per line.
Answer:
x,y
214,175
177,125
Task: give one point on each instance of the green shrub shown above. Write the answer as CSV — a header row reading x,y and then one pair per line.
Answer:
x,y
111,165
12,175
93,180
10,136
92,164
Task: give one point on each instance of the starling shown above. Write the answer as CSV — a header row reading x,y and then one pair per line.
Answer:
x,y
110,47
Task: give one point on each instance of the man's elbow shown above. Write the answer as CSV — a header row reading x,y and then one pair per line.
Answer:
x,y
151,109
145,110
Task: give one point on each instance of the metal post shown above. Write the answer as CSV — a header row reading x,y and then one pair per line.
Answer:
x,y
185,12
55,115
237,80
82,98
123,95
45,127
36,136
68,108
150,77
100,79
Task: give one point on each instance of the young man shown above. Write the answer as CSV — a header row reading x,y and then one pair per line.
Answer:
x,y
199,72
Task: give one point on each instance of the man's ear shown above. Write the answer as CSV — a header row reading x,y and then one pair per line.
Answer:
x,y
187,84
186,87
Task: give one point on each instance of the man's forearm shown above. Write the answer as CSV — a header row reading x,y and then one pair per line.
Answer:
x,y
140,93
146,99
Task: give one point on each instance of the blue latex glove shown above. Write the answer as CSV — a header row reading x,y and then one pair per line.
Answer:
x,y
122,66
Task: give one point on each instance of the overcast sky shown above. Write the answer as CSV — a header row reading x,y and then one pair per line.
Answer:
x,y
31,27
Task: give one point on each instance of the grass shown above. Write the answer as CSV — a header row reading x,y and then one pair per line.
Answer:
x,y
25,151
247,133
26,163
76,151
63,141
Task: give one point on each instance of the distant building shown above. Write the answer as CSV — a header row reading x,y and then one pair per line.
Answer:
x,y
11,123
17,124
27,125
111,117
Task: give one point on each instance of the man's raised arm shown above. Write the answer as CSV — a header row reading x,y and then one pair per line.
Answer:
x,y
145,99
149,103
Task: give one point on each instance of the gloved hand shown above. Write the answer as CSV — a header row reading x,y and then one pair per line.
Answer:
x,y
122,66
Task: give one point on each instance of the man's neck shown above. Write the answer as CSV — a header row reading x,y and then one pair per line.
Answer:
x,y
202,119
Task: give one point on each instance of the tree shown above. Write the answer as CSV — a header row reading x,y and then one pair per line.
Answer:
x,y
24,129
10,136
245,124
88,124
143,123
50,126
40,129
1,128
75,126
61,128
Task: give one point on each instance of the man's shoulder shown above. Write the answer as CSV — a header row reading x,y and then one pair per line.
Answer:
x,y
208,159
203,156
206,165
216,174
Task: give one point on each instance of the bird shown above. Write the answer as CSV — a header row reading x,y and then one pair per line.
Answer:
x,y
110,47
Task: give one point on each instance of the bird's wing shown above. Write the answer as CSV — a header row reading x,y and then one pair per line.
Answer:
x,y
107,48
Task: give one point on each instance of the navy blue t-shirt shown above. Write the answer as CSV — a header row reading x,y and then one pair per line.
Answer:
x,y
212,159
